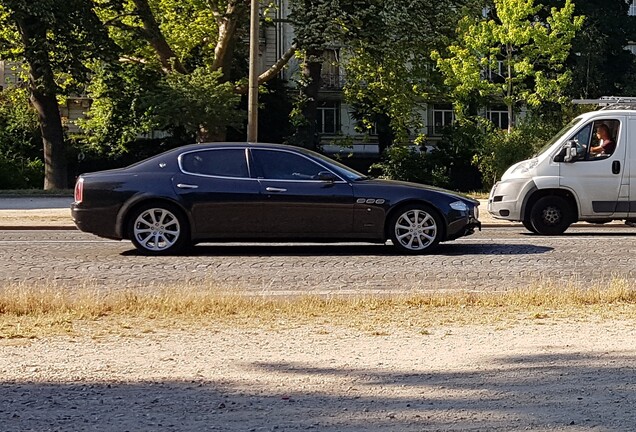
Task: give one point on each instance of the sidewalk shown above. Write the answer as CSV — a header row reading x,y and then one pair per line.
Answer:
x,y
55,213
36,213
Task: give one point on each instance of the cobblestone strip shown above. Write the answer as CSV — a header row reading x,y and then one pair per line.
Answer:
x,y
493,260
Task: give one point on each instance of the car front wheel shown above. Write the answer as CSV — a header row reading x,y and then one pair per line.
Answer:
x,y
158,229
415,229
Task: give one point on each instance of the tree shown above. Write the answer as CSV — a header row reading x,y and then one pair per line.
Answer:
x,y
181,76
600,64
532,52
52,37
318,26
389,70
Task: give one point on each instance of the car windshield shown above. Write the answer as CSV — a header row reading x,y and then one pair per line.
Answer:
x,y
558,136
339,168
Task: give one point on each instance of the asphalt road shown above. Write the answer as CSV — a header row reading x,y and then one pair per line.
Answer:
x,y
494,259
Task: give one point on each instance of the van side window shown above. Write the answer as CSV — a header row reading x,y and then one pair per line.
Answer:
x,y
597,140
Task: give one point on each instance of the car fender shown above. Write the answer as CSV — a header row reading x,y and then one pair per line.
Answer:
x,y
140,198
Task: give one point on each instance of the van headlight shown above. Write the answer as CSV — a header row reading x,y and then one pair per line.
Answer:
x,y
525,166
459,206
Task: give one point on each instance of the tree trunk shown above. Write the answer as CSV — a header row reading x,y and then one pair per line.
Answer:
x,y
511,112
44,99
167,57
385,132
307,133
228,23
55,169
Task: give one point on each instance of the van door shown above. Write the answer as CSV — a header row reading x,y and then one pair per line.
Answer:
x,y
596,175
630,160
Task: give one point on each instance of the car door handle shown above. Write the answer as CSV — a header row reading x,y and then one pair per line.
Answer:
x,y
273,189
616,167
186,186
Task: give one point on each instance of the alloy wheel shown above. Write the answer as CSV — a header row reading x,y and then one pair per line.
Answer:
x,y
415,230
156,229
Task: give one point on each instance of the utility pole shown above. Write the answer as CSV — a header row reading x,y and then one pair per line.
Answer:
x,y
252,98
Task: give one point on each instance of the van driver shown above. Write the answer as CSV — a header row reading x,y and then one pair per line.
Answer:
x,y
606,144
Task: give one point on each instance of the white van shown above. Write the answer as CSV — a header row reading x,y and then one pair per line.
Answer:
x,y
573,178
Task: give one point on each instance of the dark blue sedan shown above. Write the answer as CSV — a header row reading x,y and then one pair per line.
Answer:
x,y
262,192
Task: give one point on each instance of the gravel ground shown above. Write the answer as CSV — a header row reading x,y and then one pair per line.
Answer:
x,y
542,375
538,375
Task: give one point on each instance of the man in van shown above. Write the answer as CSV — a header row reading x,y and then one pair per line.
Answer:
x,y
606,144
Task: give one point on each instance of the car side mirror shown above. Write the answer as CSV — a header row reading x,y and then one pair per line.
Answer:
x,y
327,176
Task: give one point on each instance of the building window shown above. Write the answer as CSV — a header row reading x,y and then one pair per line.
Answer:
x,y
498,117
328,118
443,115
330,73
498,72
632,9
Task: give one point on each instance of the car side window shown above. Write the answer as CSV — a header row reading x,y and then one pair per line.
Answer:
x,y
218,162
283,165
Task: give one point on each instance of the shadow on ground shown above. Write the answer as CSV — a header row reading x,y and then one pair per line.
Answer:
x,y
295,250
577,392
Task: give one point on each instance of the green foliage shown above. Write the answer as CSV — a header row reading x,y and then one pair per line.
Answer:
x,y
21,164
194,102
17,172
66,34
501,149
533,51
139,100
448,164
409,163
600,64
383,79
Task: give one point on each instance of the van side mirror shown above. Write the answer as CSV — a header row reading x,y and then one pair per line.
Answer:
x,y
570,152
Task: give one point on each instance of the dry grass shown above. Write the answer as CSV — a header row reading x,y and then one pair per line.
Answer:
x,y
32,311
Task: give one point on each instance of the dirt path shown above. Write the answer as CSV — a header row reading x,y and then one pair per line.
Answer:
x,y
574,376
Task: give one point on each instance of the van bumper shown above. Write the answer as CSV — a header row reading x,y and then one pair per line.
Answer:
x,y
507,199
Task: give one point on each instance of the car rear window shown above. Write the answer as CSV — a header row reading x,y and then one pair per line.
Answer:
x,y
218,162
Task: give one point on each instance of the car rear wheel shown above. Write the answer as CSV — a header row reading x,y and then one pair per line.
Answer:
x,y
551,215
158,229
415,229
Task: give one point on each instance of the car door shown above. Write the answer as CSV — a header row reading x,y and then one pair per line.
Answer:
x,y
296,203
597,179
216,186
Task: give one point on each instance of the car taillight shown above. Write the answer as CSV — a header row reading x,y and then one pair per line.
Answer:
x,y
79,190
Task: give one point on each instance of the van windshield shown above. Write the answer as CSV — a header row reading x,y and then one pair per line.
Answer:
x,y
558,136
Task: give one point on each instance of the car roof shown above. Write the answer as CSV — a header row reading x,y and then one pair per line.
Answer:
x,y
236,144
175,152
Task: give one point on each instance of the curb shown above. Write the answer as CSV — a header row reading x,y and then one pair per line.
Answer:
x,y
38,228
483,225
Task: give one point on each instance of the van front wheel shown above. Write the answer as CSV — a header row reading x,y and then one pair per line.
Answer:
x,y
528,225
551,215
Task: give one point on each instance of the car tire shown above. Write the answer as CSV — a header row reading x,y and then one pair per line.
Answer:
x,y
551,215
158,229
415,229
528,225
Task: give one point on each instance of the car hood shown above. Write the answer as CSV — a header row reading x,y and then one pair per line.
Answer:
x,y
419,186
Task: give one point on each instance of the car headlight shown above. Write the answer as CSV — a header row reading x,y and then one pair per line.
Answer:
x,y
459,206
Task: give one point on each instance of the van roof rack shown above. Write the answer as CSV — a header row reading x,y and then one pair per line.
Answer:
x,y
609,102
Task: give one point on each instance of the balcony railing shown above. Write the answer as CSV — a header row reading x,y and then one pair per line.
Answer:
x,y
332,81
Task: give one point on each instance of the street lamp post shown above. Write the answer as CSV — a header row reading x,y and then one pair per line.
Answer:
x,y
252,110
